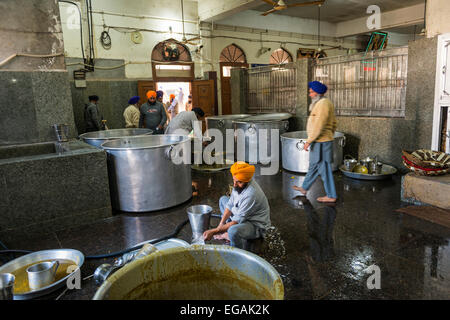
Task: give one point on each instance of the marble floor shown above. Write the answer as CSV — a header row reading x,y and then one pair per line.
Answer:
x,y
321,251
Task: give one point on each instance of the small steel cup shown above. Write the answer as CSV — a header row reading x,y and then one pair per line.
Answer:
x,y
7,286
42,274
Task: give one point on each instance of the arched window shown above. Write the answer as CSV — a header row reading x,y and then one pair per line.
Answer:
x,y
172,59
230,57
233,54
280,56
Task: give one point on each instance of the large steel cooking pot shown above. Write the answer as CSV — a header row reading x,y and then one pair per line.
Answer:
x,y
295,158
222,123
149,173
198,272
250,128
97,138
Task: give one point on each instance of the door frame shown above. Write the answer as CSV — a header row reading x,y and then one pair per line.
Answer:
x,y
228,64
439,99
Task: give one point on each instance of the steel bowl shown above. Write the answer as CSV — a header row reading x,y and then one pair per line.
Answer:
x,y
36,257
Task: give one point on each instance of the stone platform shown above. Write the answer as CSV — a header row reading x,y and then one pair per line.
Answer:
x,y
434,191
43,191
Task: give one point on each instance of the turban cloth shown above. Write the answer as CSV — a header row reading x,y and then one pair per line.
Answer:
x,y
151,94
242,171
134,100
159,94
318,87
172,96
199,111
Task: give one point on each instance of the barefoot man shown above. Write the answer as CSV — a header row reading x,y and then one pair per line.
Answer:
x,y
246,213
321,128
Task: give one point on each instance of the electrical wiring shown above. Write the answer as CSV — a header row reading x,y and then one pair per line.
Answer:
x,y
131,29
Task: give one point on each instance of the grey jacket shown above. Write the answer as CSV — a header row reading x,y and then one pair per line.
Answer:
x,y
93,118
153,115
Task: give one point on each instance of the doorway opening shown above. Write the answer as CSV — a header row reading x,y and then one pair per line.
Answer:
x,y
175,88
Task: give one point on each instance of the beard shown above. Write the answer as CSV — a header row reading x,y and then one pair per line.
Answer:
x,y
239,190
314,101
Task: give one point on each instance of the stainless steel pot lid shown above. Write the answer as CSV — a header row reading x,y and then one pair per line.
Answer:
x,y
115,133
268,117
303,135
229,117
144,142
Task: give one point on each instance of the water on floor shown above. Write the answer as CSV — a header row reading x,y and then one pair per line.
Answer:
x,y
321,251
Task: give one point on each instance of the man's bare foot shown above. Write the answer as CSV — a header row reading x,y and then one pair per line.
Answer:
x,y
222,236
327,200
300,189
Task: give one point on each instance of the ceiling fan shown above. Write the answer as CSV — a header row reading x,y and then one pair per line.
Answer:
x,y
281,5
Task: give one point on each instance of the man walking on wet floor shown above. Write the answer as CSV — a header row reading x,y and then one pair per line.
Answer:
x,y
321,127
245,214
153,114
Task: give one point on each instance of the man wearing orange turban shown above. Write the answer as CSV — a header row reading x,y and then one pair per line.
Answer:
x,y
246,213
172,106
153,114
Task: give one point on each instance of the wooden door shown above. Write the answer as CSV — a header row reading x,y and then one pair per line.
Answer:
x,y
143,87
225,82
203,97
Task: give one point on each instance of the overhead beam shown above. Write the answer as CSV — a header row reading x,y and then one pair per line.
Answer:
x,y
397,18
214,10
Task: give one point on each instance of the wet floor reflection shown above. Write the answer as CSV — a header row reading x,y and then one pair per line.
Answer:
x,y
320,231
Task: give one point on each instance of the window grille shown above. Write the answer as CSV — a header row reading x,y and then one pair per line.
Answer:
x,y
272,89
372,84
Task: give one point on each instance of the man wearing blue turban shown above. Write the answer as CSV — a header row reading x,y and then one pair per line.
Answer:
x,y
131,113
321,127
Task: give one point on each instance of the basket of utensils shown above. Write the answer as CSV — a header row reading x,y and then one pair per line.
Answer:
x,y
427,162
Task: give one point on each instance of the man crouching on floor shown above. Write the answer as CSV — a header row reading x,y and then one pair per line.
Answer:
x,y
246,213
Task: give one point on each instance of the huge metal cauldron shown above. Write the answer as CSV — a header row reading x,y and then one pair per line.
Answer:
x,y
198,272
258,146
224,123
295,158
97,138
149,173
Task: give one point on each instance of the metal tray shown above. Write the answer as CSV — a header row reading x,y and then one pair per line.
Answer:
x,y
386,172
35,257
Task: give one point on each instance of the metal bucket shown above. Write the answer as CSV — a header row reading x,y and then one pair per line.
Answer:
x,y
97,138
199,218
350,163
150,172
7,286
296,159
195,273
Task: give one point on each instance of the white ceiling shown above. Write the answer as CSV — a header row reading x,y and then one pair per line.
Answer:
x,y
335,11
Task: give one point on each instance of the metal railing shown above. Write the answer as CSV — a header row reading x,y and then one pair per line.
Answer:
x,y
372,84
272,89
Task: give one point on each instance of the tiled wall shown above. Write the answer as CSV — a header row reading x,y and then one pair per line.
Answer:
x,y
30,103
114,96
